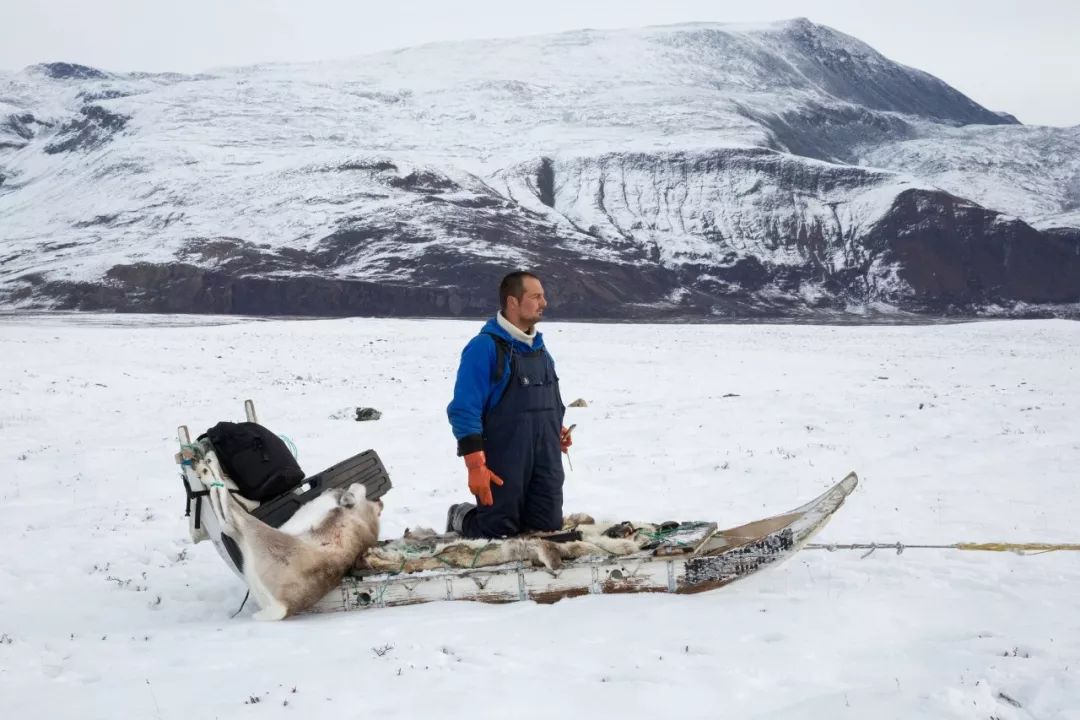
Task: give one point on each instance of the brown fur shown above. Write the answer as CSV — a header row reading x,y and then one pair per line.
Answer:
x,y
424,549
289,573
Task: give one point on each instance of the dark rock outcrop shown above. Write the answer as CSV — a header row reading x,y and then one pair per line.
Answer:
x,y
94,128
19,129
71,71
957,256
954,258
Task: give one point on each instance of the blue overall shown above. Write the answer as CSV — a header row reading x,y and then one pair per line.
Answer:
x,y
521,444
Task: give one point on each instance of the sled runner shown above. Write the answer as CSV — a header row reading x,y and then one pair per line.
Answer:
x,y
687,557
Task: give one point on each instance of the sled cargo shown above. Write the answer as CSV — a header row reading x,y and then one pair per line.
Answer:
x,y
694,558
683,558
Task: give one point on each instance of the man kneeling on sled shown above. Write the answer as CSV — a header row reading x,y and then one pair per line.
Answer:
x,y
507,417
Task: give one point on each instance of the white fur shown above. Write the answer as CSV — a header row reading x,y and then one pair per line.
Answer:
x,y
287,572
310,515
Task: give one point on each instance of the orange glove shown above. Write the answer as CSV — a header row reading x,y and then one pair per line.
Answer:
x,y
480,478
565,441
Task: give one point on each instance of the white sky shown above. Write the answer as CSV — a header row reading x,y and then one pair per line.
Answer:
x,y
1022,57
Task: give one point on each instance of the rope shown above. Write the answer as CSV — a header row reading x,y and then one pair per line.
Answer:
x,y
377,600
1018,548
244,602
1033,548
292,446
414,552
196,450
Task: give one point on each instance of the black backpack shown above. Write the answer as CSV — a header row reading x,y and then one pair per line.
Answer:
x,y
256,459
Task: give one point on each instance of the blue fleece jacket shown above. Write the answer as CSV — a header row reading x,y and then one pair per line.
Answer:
x,y
475,391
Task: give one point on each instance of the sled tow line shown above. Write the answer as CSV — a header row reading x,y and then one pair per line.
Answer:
x,y
899,547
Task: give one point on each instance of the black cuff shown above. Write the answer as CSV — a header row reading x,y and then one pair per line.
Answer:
x,y
470,444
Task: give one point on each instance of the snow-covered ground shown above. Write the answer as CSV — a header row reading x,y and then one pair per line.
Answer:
x,y
959,433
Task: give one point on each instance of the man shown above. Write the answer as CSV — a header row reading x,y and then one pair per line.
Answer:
x,y
507,417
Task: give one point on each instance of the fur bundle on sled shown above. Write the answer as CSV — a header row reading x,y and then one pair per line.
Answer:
x,y
424,549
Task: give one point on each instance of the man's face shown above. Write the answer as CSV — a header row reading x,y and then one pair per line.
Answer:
x,y
530,308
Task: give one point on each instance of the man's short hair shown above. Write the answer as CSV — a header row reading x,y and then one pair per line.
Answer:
x,y
513,285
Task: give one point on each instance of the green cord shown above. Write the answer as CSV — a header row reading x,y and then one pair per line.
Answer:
x,y
409,553
477,555
292,446
196,450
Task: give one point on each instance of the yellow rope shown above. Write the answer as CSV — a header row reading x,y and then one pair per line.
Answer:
x,y
899,547
1034,548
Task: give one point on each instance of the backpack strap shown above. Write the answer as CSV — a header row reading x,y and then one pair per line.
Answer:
x,y
197,496
502,349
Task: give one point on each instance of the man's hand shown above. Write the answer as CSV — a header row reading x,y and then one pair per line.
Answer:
x,y
565,441
480,478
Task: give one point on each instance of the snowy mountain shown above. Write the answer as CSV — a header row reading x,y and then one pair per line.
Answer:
x,y
694,170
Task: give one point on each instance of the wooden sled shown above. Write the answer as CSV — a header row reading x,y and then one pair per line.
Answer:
x,y
686,558
686,564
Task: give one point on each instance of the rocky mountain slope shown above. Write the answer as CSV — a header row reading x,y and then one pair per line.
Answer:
x,y
698,170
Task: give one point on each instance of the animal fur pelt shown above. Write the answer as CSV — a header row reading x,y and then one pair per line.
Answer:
x,y
290,569
424,549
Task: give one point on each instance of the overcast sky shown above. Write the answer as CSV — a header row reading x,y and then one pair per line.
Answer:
x,y
1022,57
